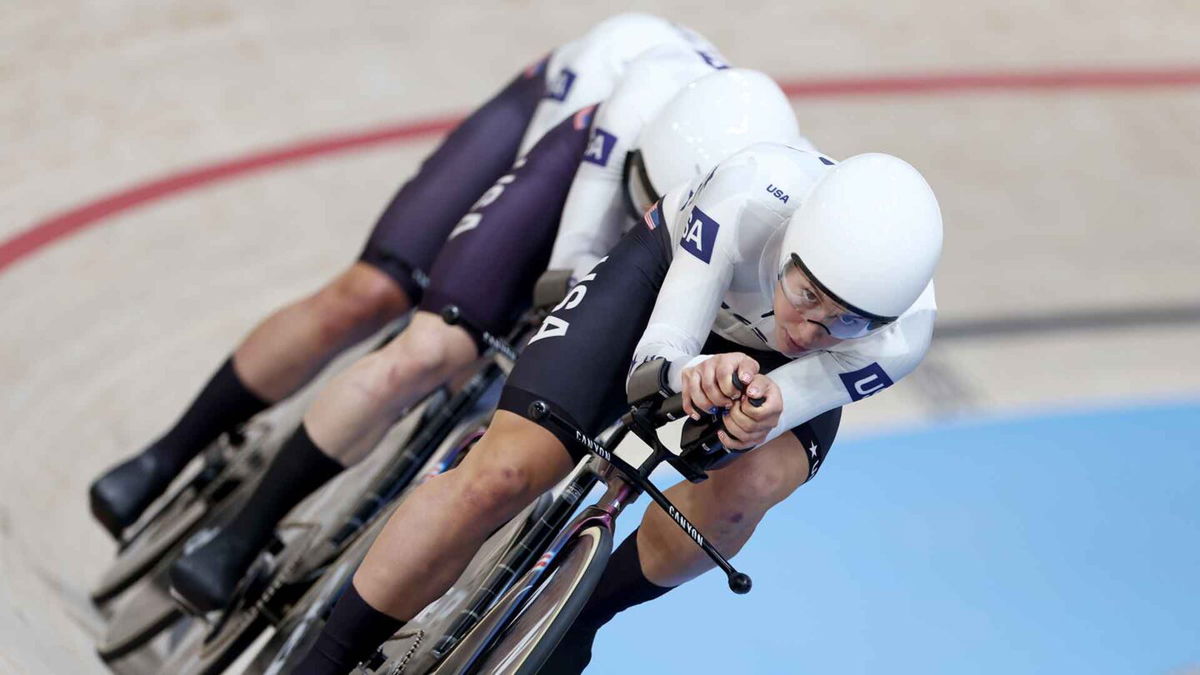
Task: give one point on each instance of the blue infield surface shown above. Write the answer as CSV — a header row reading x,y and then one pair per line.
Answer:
x,y
1065,543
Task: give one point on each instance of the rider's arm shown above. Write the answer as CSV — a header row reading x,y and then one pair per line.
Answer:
x,y
853,370
700,272
577,74
595,214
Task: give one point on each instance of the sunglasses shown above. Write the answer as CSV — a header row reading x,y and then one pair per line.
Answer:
x,y
851,323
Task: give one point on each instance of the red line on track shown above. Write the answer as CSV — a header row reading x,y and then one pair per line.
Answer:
x,y
65,224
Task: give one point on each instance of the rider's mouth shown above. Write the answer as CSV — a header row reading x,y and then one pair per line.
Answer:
x,y
792,346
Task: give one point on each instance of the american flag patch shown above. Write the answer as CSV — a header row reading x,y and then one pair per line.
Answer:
x,y
583,118
653,216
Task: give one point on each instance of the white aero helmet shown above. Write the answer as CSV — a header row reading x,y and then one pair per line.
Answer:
x,y
623,36
868,235
708,120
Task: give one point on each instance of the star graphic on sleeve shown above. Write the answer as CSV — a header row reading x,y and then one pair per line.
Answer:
x,y
812,451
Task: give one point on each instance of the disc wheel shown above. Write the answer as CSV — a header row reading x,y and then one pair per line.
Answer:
x,y
411,651
146,611
270,586
305,619
142,553
536,626
183,509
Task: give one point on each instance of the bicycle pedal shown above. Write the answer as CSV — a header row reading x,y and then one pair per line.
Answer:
x,y
375,661
206,617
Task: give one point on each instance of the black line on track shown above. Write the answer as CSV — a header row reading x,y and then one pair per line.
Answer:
x,y
1095,320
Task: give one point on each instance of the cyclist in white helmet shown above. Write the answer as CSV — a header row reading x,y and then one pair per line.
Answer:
x,y
809,281
640,145
500,246
394,273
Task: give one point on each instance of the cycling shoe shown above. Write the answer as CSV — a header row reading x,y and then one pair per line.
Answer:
x,y
207,578
120,496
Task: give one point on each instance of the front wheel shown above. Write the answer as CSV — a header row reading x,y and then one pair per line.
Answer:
x,y
524,644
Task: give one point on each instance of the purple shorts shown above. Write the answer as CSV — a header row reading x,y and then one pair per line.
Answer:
x,y
414,227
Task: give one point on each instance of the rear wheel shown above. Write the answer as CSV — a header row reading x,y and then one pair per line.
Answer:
x,y
274,581
147,610
233,461
304,620
539,623
226,467
133,562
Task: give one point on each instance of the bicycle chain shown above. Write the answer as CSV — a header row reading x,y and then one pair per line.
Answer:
x,y
399,667
283,576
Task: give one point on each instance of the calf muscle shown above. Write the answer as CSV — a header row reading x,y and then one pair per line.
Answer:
x,y
726,508
436,530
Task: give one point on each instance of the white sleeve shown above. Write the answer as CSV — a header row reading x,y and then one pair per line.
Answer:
x,y
594,215
576,75
853,371
592,220
699,275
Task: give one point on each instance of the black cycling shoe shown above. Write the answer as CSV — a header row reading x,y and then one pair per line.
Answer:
x,y
207,577
120,496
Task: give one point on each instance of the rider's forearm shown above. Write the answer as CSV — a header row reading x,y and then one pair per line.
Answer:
x,y
661,341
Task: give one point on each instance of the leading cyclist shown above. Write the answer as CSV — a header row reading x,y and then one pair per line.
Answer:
x,y
808,280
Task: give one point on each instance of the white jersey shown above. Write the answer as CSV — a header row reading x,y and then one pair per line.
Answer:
x,y
728,227
585,71
595,214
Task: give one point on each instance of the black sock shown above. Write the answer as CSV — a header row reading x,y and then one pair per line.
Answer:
x,y
224,403
296,472
620,587
352,633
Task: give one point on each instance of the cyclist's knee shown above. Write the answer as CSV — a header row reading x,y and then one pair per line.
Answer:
x,y
511,465
383,376
361,298
498,482
427,349
762,478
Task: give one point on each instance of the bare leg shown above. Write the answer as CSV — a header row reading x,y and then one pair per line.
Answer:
x,y
289,347
346,421
279,356
726,508
434,533
358,406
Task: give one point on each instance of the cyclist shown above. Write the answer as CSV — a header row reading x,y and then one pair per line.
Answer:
x,y
391,275
501,245
779,261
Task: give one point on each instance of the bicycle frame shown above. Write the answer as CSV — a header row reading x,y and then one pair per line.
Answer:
x,y
497,362
625,484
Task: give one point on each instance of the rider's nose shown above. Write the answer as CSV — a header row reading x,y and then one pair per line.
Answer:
x,y
808,334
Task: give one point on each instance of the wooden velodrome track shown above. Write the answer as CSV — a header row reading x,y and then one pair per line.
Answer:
x,y
1066,162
